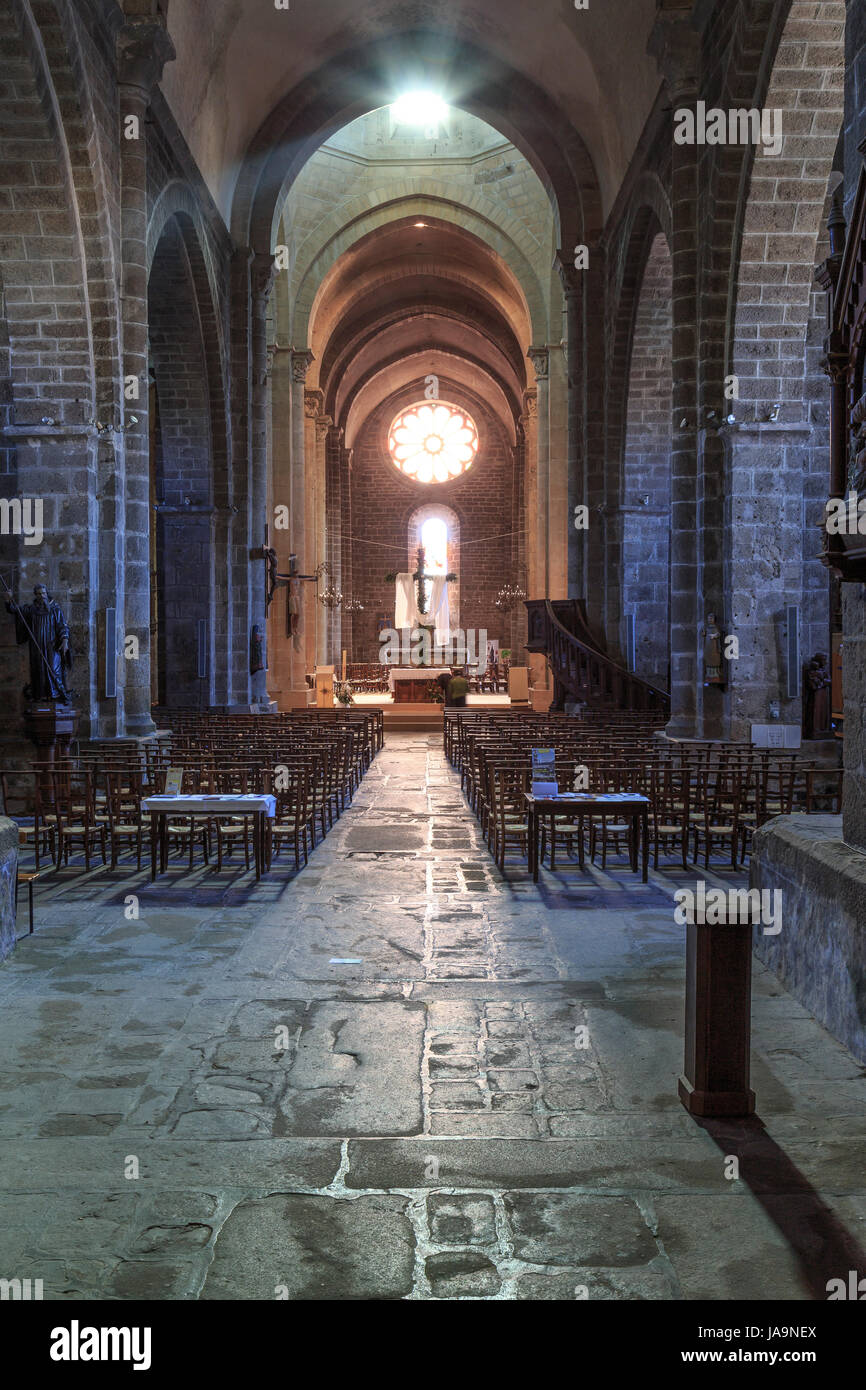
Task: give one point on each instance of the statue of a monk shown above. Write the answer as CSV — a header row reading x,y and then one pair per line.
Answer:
x,y
48,640
817,717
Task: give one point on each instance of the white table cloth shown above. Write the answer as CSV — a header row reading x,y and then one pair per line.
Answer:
x,y
417,673
227,805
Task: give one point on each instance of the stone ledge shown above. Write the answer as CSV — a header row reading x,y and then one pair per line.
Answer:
x,y
8,872
820,953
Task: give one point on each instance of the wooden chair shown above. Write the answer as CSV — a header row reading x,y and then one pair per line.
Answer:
x,y
41,832
670,796
508,811
125,830
717,814
73,805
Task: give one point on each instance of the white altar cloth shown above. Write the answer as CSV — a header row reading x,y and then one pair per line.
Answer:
x,y
417,673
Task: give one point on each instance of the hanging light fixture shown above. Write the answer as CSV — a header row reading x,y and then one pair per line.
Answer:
x,y
353,605
331,597
509,596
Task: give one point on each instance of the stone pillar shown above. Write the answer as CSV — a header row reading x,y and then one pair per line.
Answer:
x,y
143,49
536,576
572,289
348,626
8,874
333,535
262,275
302,547
540,359
279,643
324,619
766,531
676,47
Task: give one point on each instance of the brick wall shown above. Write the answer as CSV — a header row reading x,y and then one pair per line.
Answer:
x,y
382,506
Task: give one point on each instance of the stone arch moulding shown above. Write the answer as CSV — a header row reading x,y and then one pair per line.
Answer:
x,y
643,229
191,522
475,382
177,200
645,491
351,224
358,82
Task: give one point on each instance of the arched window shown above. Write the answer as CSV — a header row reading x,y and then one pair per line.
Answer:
x,y
434,538
437,528
433,442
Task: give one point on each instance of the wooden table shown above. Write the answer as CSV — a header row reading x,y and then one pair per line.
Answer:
x,y
159,808
409,684
621,805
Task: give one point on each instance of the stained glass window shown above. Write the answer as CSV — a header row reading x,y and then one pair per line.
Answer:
x,y
433,442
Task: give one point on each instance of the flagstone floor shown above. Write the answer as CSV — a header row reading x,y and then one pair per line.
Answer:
x,y
401,1075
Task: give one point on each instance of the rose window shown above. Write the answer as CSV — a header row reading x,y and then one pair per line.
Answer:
x,y
433,442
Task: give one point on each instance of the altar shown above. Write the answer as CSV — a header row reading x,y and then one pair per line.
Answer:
x,y
409,685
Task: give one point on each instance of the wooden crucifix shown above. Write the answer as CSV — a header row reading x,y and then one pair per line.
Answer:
x,y
274,580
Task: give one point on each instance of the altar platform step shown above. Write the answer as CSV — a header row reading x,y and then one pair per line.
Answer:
x,y
412,718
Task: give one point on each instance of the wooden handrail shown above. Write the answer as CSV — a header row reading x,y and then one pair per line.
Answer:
x,y
583,672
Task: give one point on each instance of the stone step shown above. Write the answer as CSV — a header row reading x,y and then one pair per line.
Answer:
x,y
412,717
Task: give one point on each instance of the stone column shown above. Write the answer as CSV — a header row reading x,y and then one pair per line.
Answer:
x,y
333,535
324,622
572,289
347,574
536,578
540,359
676,47
302,547
143,49
262,275
279,643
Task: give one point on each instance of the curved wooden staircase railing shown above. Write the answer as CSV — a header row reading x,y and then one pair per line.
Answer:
x,y
580,670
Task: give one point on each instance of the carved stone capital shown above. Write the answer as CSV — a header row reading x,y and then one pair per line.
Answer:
x,y
676,46
143,49
314,402
323,427
263,271
569,275
540,359
302,361
530,406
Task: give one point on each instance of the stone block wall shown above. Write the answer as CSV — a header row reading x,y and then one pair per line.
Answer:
x,y
646,489
820,952
854,606
8,872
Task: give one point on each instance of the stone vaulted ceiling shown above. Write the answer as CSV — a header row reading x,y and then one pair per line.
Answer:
x,y
237,59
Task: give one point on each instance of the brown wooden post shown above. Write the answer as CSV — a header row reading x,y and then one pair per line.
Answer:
x,y
715,1078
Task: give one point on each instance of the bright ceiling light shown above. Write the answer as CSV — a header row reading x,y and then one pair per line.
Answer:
x,y
419,108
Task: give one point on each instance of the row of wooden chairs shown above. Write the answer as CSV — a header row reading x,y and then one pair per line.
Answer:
x,y
704,801
312,766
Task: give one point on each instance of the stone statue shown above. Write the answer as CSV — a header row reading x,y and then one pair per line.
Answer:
x,y
713,673
43,626
816,714
257,652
